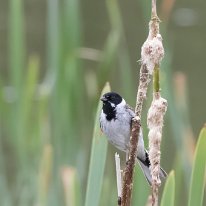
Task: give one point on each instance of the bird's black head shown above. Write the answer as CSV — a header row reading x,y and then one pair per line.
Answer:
x,y
112,98
110,101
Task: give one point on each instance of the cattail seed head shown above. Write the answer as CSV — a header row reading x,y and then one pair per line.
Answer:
x,y
155,124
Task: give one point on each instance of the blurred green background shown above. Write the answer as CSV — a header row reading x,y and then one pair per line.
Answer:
x,y
55,57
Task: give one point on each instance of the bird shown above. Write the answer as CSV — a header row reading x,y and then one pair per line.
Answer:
x,y
115,122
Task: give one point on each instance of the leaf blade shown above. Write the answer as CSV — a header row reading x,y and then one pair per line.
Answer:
x,y
168,196
97,161
197,182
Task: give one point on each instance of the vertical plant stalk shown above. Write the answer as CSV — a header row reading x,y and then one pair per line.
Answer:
x,y
45,173
129,169
70,185
145,72
154,53
151,56
119,178
155,124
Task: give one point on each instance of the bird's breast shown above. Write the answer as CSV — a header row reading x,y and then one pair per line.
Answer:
x,y
117,131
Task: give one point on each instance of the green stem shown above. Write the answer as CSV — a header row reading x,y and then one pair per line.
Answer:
x,y
156,82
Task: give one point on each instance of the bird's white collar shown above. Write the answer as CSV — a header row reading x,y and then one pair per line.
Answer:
x,y
122,103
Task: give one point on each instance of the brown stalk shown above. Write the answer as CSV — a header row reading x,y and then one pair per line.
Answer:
x,y
136,124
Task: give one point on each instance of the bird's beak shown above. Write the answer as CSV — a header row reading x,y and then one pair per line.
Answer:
x,y
103,99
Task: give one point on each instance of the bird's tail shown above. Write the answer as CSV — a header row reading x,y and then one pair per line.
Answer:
x,y
146,171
